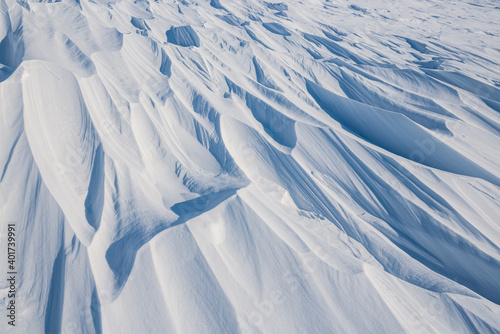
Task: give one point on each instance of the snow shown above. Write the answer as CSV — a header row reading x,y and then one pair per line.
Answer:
x,y
247,166
183,36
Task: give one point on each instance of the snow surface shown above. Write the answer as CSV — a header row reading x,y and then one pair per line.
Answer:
x,y
305,166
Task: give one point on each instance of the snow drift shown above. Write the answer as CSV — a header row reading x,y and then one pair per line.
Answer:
x,y
251,166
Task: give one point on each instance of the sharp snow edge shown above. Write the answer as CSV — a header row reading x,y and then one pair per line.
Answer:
x,y
250,166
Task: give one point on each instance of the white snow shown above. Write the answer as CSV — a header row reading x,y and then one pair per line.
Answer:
x,y
183,166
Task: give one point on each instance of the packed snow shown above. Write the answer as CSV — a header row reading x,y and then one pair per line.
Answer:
x,y
217,166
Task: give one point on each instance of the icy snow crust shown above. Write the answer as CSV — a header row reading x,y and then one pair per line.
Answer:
x,y
251,167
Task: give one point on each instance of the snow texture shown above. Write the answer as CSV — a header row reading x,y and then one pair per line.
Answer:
x,y
216,166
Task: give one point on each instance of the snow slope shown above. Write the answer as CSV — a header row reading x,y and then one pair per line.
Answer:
x,y
216,166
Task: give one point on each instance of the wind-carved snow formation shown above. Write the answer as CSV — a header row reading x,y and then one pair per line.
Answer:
x,y
251,167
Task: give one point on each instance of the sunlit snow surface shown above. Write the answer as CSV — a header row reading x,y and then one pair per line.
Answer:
x,y
251,167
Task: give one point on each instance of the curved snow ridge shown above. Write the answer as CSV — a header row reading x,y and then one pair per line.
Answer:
x,y
64,144
252,166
